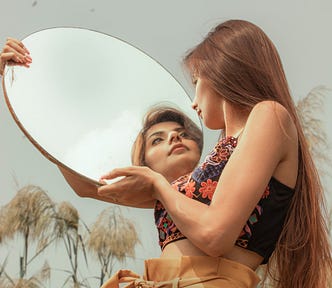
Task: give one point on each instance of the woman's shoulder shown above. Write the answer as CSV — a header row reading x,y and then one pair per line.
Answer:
x,y
270,107
271,119
272,112
271,128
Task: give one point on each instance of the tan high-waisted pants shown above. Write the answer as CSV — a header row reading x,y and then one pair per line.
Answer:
x,y
188,271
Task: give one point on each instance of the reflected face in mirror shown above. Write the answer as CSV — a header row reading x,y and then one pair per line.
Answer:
x,y
170,150
83,113
169,142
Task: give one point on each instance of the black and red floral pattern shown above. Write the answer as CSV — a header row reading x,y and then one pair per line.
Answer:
x,y
261,231
200,185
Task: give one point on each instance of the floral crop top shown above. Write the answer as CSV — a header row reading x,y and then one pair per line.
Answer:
x,y
263,228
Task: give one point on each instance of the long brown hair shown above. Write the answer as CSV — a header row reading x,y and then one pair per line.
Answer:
x,y
158,114
242,64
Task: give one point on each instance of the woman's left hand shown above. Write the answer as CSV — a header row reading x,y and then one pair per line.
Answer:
x,y
137,186
14,53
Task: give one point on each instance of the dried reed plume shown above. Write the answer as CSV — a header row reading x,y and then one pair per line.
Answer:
x,y
67,230
112,235
30,214
67,218
309,108
36,281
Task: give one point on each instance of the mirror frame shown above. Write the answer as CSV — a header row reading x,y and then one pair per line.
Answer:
x,y
66,170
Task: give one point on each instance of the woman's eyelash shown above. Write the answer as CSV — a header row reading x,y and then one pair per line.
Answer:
x,y
156,140
184,134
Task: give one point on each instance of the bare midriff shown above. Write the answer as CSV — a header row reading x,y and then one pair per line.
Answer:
x,y
185,248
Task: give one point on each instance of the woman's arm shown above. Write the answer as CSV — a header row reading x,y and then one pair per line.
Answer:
x,y
268,137
263,147
85,188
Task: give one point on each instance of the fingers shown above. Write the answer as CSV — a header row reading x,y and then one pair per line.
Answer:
x,y
118,172
13,59
106,190
113,190
102,181
14,53
108,185
14,41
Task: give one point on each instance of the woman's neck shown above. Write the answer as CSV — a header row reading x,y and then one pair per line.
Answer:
x,y
235,120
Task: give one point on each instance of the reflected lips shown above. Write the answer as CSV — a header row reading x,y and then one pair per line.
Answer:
x,y
177,147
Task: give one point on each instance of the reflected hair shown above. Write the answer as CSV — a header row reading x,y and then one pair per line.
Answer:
x,y
158,114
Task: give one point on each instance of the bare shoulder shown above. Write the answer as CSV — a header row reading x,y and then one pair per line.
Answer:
x,y
275,116
271,123
272,109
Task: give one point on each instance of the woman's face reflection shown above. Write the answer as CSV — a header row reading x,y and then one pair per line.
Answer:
x,y
170,151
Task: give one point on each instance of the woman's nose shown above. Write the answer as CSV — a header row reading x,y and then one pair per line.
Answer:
x,y
174,137
194,104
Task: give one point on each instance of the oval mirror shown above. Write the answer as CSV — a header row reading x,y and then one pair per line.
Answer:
x,y
82,100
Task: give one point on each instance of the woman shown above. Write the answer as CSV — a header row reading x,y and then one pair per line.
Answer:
x,y
171,147
263,192
255,199
169,143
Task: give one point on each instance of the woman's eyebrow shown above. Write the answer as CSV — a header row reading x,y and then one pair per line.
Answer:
x,y
178,129
162,132
157,133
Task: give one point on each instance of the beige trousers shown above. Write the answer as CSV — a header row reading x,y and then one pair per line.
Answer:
x,y
187,271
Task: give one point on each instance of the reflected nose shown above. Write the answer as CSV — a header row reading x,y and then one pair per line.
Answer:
x,y
174,137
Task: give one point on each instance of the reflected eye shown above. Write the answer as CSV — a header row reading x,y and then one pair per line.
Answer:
x,y
184,134
156,141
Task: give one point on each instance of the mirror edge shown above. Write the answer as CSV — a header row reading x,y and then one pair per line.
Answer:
x,y
48,156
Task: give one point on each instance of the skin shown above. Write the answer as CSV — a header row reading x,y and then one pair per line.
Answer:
x,y
14,52
275,145
177,154
211,105
245,178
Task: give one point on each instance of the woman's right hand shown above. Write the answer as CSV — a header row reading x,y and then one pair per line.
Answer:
x,y
14,53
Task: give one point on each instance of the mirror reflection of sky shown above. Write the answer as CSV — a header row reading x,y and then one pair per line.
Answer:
x,y
85,94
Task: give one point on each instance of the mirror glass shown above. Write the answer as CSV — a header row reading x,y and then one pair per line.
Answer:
x,y
82,100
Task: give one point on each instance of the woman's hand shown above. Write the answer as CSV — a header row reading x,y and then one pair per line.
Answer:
x,y
14,53
137,186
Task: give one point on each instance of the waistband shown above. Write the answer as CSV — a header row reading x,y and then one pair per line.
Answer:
x,y
187,271
163,269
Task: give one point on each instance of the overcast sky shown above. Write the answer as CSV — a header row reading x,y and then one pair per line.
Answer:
x,y
164,30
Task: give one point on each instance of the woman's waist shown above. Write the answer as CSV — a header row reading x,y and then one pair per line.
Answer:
x,y
199,271
184,247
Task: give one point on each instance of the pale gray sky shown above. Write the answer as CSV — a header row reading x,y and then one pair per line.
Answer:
x,y
164,30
